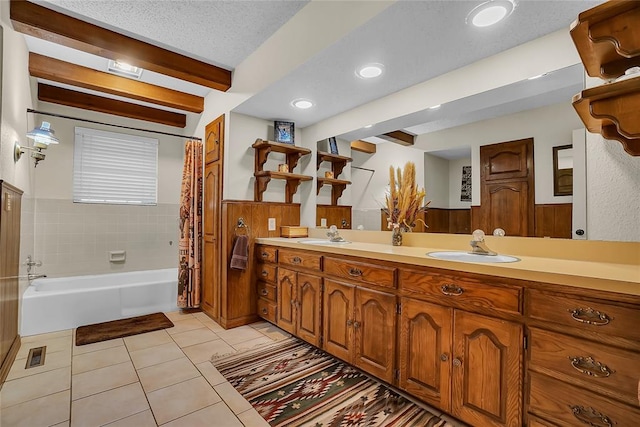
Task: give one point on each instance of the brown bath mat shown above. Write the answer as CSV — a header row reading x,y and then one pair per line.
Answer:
x,y
121,328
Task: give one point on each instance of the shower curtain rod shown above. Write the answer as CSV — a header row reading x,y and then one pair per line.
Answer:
x,y
29,110
364,169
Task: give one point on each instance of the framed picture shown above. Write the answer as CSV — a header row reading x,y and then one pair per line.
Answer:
x,y
283,132
333,145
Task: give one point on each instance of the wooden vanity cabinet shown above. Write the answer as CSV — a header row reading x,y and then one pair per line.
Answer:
x,y
266,272
360,327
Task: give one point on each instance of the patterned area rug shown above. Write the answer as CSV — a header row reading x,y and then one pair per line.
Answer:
x,y
292,383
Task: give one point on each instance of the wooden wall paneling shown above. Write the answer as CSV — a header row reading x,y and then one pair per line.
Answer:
x,y
460,221
438,220
334,215
554,220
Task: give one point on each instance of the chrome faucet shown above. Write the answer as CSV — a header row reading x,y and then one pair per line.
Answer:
x,y
333,234
478,246
35,276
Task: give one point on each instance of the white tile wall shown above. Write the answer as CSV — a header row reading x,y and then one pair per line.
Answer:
x,y
368,218
75,238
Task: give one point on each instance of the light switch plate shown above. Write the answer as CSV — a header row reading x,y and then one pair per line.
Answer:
x,y
272,224
323,222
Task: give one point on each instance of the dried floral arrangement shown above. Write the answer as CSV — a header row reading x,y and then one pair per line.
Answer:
x,y
404,202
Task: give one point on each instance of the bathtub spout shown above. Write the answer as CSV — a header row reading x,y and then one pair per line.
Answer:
x,y
35,276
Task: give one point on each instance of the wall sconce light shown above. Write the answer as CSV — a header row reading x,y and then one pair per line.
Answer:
x,y
42,136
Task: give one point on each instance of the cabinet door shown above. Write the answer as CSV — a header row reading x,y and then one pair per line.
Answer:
x,y
286,312
487,370
425,351
212,143
338,319
211,241
506,206
308,304
375,331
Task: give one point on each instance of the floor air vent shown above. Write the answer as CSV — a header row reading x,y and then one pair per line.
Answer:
x,y
36,357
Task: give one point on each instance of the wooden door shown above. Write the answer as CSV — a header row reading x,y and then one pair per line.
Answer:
x,y
337,318
375,333
507,194
425,351
212,277
308,304
286,312
487,370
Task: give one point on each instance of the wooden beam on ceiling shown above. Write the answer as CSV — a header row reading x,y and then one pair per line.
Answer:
x,y
363,146
399,137
37,21
86,101
63,72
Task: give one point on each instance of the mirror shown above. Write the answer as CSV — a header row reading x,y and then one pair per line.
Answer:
x,y
563,170
448,141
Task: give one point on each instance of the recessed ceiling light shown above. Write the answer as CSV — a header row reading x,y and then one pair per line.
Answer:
x,y
370,71
367,126
302,104
435,107
490,12
124,69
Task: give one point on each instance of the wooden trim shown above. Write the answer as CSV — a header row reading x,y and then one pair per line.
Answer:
x,y
76,75
363,146
8,361
38,21
72,98
399,137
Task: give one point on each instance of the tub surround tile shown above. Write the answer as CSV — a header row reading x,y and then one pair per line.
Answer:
x,y
150,339
43,411
232,398
102,345
99,359
210,373
141,419
175,401
59,359
154,355
103,379
203,418
194,336
203,352
109,406
34,386
184,325
252,418
168,373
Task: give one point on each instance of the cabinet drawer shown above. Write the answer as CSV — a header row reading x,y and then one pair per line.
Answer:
x,y
300,259
572,406
267,291
537,422
361,272
463,292
267,310
587,315
267,253
267,272
598,365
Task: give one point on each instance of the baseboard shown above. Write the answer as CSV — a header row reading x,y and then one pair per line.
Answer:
x,y
8,361
238,321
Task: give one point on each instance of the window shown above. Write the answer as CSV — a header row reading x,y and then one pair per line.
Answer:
x,y
114,168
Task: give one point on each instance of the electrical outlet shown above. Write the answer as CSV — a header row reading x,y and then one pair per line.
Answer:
x,y
272,224
323,222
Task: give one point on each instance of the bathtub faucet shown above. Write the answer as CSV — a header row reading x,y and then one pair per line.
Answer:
x,y
35,276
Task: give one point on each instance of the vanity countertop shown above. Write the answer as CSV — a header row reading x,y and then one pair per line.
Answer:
x,y
589,274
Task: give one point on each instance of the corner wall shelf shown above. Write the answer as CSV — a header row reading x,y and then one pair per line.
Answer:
x,y
337,166
292,154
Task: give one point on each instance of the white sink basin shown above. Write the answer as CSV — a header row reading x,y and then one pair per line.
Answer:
x,y
323,242
469,257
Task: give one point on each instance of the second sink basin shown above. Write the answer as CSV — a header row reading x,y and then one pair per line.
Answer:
x,y
323,242
469,257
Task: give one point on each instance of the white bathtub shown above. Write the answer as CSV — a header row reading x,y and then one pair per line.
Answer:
x,y
68,302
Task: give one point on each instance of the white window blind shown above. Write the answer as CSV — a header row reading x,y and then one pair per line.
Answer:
x,y
114,168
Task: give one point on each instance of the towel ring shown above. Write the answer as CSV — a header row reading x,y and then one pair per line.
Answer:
x,y
241,225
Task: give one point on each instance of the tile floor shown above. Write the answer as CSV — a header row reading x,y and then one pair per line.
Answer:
x,y
159,378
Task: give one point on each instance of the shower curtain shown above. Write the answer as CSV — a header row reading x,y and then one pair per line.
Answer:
x,y
189,251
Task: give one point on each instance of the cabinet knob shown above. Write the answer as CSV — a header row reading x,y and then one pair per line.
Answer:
x,y
264,292
588,366
356,324
355,272
590,416
451,289
265,255
589,316
264,311
264,273
457,362
296,260
349,322
444,357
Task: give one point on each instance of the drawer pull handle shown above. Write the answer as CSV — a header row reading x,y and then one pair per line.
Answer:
x,y
452,290
264,292
591,417
588,366
265,254
457,362
264,311
355,272
265,273
296,260
589,316
349,322
356,324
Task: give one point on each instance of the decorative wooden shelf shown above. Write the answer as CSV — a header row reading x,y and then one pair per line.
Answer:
x,y
337,166
608,38
292,154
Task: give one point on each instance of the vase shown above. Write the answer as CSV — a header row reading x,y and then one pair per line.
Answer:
x,y
396,236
